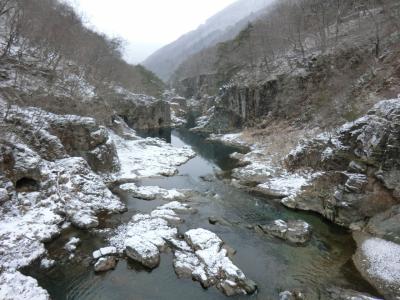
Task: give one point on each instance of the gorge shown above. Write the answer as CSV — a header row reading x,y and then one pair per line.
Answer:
x,y
266,165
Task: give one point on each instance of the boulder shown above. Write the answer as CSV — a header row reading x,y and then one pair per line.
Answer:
x,y
72,244
105,264
142,251
106,251
336,293
291,295
294,231
205,259
14,285
378,262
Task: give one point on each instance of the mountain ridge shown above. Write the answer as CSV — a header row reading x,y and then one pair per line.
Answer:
x,y
222,26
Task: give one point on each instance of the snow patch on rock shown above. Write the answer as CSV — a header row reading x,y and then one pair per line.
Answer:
x,y
149,157
14,285
152,192
383,258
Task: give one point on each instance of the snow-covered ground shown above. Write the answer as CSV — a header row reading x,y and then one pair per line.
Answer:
x,y
258,167
149,157
231,139
153,192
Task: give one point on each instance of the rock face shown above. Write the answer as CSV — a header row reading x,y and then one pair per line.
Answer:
x,y
361,165
359,188
45,187
142,112
57,136
294,231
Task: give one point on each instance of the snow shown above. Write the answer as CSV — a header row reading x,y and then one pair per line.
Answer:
x,y
72,244
234,139
383,259
72,191
288,184
104,252
152,192
208,263
177,121
201,239
153,227
149,157
15,286
46,263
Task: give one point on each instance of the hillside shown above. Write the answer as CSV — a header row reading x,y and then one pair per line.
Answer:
x,y
307,62
221,27
51,60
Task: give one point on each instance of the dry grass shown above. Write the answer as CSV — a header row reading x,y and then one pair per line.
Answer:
x,y
277,139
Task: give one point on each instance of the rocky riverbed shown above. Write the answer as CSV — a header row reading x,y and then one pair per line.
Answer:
x,y
155,209
351,177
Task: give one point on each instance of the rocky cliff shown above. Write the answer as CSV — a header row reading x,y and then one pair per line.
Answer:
x,y
359,188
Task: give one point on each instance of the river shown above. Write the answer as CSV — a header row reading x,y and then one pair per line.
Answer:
x,y
272,263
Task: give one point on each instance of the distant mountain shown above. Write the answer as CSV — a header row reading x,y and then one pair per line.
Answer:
x,y
221,27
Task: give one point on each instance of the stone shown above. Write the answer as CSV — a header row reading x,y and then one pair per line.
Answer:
x,y
46,263
4,197
106,251
386,224
84,220
14,285
378,262
105,264
294,231
336,293
143,251
72,244
207,261
291,295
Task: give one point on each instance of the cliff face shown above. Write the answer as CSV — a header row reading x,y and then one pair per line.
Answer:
x,y
361,168
141,111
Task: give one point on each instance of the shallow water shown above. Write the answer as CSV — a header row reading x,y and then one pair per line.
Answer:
x,y
272,263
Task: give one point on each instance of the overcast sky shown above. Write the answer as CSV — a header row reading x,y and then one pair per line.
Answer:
x,y
147,24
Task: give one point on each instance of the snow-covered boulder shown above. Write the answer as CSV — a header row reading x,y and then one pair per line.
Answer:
x,y
146,235
149,157
14,285
378,261
208,262
336,293
152,192
142,250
